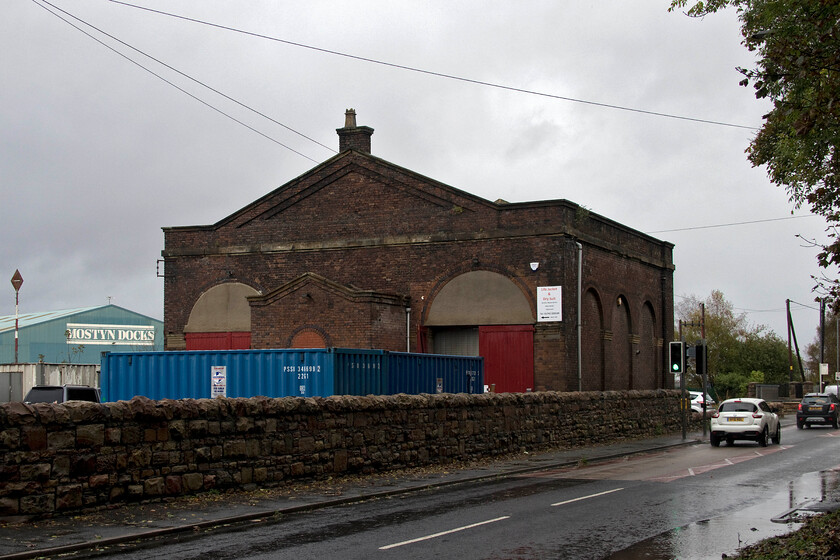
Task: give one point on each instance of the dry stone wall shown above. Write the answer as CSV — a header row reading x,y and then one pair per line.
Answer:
x,y
57,458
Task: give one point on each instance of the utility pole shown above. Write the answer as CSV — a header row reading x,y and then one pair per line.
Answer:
x,y
703,359
790,350
792,333
822,340
701,364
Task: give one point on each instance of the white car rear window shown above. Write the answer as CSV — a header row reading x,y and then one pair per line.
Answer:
x,y
737,407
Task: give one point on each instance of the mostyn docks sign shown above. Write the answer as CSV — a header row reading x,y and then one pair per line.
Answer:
x,y
133,335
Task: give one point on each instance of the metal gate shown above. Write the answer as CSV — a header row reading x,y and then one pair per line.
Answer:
x,y
11,386
508,352
219,341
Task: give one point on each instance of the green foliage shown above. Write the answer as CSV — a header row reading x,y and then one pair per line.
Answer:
x,y
729,385
797,43
832,345
734,384
738,352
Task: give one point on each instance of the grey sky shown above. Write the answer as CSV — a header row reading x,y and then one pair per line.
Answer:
x,y
96,154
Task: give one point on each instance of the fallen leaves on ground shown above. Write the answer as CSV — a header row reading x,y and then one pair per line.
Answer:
x,y
817,539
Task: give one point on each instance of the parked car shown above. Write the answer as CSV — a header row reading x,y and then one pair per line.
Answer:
x,y
61,393
697,402
751,419
818,408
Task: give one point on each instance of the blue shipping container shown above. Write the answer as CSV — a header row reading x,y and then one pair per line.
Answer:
x,y
434,373
202,374
360,372
285,373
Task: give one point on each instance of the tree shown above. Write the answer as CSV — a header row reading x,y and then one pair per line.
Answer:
x,y
798,69
812,351
738,352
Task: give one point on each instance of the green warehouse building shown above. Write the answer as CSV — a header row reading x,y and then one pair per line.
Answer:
x,y
77,336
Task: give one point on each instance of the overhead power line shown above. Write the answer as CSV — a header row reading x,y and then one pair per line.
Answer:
x,y
44,3
731,224
803,305
434,73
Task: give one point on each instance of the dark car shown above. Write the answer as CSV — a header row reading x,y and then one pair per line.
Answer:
x,y
818,408
61,393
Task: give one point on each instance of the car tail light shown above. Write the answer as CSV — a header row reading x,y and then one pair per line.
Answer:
x,y
800,407
716,415
831,408
757,415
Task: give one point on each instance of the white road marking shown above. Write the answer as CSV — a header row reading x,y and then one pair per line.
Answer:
x,y
442,533
587,497
725,462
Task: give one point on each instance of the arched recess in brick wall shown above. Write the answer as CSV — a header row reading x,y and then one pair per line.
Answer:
x,y
308,337
485,313
592,342
480,297
221,318
647,364
620,374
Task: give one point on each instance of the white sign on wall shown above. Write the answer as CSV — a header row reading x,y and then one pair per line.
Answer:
x,y
134,335
549,303
218,381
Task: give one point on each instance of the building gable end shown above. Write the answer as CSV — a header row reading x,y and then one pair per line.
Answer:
x,y
372,175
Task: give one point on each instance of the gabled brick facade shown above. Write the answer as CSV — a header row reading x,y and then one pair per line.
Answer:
x,y
376,245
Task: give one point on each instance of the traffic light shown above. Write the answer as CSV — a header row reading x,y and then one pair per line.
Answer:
x,y
676,357
701,358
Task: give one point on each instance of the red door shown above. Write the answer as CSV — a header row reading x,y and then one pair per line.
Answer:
x,y
219,341
508,352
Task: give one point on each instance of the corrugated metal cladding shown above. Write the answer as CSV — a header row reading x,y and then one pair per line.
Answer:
x,y
434,373
285,373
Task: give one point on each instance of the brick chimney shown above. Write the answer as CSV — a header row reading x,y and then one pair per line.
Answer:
x,y
353,137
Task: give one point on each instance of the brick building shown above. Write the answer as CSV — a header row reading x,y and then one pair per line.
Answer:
x,y
361,253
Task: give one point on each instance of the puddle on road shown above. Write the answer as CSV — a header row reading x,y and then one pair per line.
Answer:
x,y
726,534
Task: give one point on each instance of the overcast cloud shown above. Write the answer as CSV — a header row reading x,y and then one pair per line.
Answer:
x,y
96,154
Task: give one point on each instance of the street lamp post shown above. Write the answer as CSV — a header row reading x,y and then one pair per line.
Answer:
x,y
17,282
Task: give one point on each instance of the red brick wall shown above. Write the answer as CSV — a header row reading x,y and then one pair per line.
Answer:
x,y
362,222
342,322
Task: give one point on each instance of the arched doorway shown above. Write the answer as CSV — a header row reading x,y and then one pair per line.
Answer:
x,y
485,313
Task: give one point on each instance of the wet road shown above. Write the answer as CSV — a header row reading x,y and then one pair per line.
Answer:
x,y
695,502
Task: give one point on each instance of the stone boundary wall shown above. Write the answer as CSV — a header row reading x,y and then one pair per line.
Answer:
x,y
58,458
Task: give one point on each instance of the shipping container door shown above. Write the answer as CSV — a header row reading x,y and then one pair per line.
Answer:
x,y
508,352
219,341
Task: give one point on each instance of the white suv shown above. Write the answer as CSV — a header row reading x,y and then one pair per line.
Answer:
x,y
697,402
745,419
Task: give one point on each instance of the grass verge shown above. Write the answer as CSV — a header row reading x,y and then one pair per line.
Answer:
x,y
817,539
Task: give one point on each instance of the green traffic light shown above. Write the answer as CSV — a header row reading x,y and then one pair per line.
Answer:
x,y
676,355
